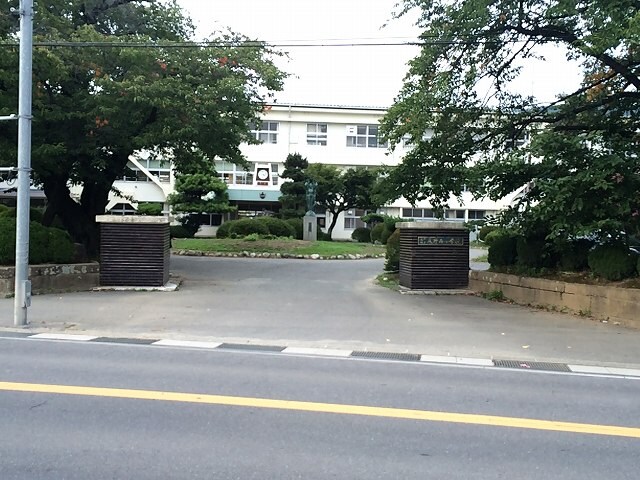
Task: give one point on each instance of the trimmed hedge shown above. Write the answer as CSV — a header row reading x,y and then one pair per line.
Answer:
x,y
530,252
61,247
376,233
574,256
298,226
224,230
613,262
277,226
259,226
247,226
392,255
46,244
486,230
502,250
361,235
178,231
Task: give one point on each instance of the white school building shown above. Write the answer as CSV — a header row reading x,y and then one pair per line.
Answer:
x,y
337,135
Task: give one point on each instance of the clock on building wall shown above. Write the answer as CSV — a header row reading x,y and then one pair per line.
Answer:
x,y
262,174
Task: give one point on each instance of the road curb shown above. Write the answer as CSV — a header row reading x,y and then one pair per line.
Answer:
x,y
512,364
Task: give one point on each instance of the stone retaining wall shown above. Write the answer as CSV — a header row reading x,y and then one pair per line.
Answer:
x,y
53,278
314,256
605,303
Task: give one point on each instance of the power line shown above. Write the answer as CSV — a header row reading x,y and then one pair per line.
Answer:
x,y
248,44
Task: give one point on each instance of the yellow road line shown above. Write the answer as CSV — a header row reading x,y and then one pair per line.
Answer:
x,y
341,409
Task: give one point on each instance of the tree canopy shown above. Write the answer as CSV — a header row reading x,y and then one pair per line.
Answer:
x,y
579,173
293,192
113,77
341,190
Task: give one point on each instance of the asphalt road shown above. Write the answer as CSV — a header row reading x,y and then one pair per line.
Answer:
x,y
239,415
334,304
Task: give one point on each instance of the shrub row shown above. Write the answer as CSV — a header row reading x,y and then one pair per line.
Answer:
x,y
613,262
260,226
46,244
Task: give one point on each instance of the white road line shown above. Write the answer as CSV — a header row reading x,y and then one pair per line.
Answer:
x,y
437,359
482,362
187,343
485,362
318,351
63,336
628,372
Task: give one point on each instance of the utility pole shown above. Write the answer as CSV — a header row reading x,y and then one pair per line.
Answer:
x,y
23,285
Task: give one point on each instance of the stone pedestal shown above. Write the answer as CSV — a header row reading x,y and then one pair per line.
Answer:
x,y
134,250
434,255
310,228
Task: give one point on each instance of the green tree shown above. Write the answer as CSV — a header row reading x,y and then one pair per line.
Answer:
x,y
98,97
342,190
292,199
198,191
580,171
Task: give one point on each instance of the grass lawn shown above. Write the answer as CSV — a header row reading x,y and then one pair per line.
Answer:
x,y
292,247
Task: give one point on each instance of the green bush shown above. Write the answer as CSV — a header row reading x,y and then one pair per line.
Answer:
x,y
613,262
7,240
61,247
533,252
324,237
297,225
224,230
247,226
277,226
38,243
574,256
361,235
376,233
35,214
392,256
46,245
373,218
386,233
502,250
491,236
150,208
178,231
484,231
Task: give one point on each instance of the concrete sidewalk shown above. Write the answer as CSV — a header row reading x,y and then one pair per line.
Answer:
x,y
328,304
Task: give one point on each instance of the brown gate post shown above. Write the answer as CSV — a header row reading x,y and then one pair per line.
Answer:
x,y
134,250
434,255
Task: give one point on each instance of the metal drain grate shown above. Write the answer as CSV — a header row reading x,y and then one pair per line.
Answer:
x,y
261,348
134,341
407,357
526,365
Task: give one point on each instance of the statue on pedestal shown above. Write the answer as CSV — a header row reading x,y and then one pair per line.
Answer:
x,y
311,187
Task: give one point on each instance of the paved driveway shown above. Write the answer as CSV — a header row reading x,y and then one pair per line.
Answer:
x,y
328,303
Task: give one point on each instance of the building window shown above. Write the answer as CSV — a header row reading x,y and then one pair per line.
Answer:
x,y
455,214
244,178
476,214
352,219
317,134
417,213
266,132
122,209
157,168
211,219
406,142
364,136
274,174
350,223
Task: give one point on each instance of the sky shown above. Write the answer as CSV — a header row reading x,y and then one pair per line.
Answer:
x,y
353,75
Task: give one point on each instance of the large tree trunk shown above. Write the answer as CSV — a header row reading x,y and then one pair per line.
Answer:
x,y
78,218
334,220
